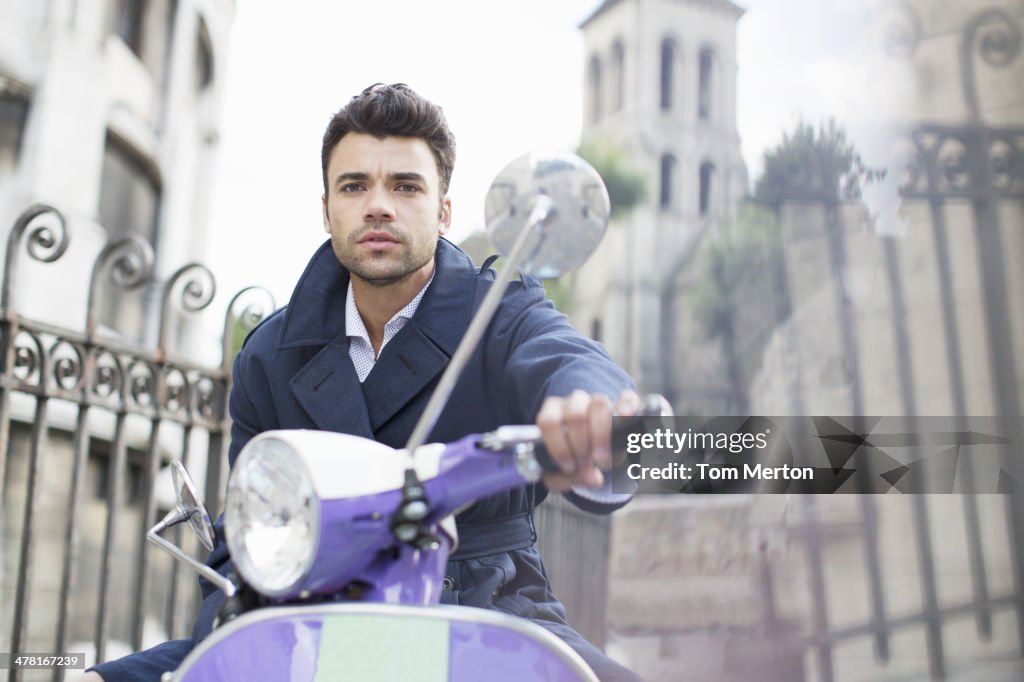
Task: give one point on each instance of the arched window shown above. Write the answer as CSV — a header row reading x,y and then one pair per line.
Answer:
x,y
204,57
129,23
13,116
707,176
129,191
707,61
595,89
667,181
145,27
618,75
669,51
129,203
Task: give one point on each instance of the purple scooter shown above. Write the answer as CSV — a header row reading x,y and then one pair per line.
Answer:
x,y
342,542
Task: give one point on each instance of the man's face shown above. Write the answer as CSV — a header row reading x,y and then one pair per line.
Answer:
x,y
382,208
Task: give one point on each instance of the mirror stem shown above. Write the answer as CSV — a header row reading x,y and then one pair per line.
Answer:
x,y
173,518
543,209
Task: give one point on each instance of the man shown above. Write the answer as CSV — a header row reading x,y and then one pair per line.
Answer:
x,y
367,333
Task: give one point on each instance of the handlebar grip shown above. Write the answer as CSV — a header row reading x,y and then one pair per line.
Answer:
x,y
652,405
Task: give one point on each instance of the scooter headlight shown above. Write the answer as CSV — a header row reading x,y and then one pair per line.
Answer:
x,y
272,517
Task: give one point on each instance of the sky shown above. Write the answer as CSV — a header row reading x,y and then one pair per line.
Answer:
x,y
509,77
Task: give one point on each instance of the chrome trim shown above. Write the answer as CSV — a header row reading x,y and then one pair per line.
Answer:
x,y
183,483
465,614
526,463
173,518
507,437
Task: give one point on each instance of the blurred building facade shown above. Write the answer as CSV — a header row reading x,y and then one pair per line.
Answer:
x,y
109,113
905,299
660,85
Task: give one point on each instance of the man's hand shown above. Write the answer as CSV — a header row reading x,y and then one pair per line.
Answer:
x,y
577,433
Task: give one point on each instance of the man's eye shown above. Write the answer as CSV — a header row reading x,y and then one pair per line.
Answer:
x,y
351,187
406,187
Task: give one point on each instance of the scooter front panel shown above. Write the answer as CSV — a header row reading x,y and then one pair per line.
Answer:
x,y
485,651
369,642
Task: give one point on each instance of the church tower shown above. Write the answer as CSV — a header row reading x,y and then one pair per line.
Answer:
x,y
660,88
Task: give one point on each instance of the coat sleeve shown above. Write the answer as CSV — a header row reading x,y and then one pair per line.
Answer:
x,y
145,666
541,354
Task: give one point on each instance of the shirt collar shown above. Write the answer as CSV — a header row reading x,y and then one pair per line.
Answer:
x,y
354,325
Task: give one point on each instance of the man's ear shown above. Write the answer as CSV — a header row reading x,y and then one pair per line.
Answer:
x,y
327,219
445,217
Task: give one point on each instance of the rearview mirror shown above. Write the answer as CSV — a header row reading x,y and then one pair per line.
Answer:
x,y
576,218
190,505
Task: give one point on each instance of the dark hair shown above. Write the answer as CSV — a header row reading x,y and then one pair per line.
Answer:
x,y
394,110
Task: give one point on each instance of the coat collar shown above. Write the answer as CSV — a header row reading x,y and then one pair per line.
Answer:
x,y
327,385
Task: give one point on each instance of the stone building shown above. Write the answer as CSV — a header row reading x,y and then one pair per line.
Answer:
x,y
108,112
660,85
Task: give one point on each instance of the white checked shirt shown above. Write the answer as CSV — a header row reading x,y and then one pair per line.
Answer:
x,y
359,347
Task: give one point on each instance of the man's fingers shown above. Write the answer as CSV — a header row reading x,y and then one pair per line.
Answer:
x,y
628,404
599,416
577,427
576,431
549,419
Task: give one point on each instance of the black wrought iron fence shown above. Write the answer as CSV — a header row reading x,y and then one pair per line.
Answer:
x,y
977,166
87,421
922,319
952,172
964,180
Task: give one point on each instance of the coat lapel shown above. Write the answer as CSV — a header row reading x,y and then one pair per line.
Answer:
x,y
420,352
408,364
327,386
328,389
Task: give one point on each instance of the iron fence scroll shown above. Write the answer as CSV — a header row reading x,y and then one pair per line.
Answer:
x,y
81,409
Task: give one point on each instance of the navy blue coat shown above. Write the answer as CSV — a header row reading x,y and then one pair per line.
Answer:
x,y
294,372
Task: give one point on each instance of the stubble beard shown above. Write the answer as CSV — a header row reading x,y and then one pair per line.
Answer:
x,y
363,269
379,269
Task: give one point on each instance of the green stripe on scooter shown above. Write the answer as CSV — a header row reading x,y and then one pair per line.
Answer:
x,y
372,648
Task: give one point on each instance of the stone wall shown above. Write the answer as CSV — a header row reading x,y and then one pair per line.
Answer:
x,y
689,595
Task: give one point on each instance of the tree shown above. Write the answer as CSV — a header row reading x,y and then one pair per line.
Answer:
x,y
816,164
744,292
743,267
627,187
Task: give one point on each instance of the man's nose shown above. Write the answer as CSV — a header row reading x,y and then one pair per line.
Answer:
x,y
379,205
